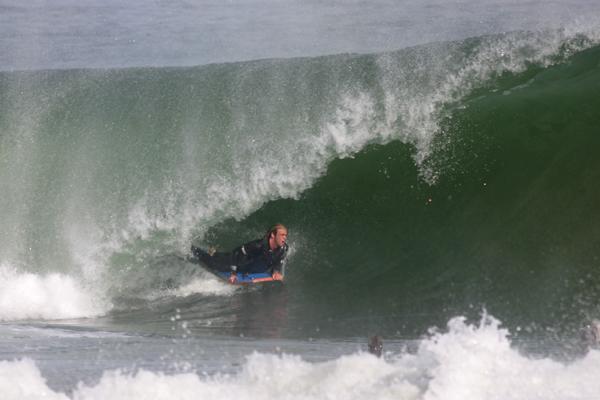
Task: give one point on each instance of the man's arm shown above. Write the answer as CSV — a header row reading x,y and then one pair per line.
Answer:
x,y
278,264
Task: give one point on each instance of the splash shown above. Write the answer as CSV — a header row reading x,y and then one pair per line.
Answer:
x,y
51,296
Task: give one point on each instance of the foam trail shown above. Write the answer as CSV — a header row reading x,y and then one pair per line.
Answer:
x,y
207,285
468,362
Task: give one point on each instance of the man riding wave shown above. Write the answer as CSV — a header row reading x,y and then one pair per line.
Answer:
x,y
263,255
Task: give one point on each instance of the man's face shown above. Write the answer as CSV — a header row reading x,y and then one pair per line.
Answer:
x,y
280,237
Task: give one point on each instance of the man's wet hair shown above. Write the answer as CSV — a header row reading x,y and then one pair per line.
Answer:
x,y
274,229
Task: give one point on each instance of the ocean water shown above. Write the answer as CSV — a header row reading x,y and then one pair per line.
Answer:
x,y
436,164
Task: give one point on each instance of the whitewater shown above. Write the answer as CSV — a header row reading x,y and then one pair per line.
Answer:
x,y
435,164
466,361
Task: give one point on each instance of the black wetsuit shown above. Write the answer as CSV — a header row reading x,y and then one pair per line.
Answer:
x,y
253,257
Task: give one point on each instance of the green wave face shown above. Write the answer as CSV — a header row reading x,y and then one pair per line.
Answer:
x,y
418,184
510,225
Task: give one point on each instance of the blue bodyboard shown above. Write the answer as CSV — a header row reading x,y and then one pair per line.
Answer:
x,y
242,279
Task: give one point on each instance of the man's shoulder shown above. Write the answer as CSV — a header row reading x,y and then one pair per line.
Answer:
x,y
255,244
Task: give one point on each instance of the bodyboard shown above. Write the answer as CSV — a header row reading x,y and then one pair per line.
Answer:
x,y
242,279
245,279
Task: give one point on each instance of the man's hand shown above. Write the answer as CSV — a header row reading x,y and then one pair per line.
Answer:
x,y
277,276
232,278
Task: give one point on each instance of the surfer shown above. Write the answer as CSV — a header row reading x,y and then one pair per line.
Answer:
x,y
376,345
591,334
263,255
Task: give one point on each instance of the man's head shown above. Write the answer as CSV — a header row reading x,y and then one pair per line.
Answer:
x,y
375,345
277,236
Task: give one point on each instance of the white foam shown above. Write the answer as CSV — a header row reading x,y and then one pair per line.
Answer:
x,y
477,362
26,295
206,285
468,362
21,380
